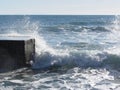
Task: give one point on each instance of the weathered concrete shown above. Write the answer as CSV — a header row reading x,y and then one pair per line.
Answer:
x,y
16,52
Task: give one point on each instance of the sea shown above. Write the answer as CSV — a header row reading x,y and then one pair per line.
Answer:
x,y
72,52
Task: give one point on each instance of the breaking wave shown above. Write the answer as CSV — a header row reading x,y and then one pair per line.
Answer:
x,y
71,54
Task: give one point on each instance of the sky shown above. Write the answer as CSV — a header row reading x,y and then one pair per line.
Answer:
x,y
60,7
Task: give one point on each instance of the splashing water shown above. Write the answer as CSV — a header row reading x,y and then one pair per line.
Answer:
x,y
92,53
116,23
79,52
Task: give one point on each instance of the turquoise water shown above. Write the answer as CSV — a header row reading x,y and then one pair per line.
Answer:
x,y
78,52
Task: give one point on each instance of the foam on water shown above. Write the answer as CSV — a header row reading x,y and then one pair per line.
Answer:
x,y
83,59
47,56
74,79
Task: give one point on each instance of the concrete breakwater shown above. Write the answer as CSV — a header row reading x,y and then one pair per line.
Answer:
x,y
16,52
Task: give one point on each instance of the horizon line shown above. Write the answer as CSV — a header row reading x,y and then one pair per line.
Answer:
x,y
59,14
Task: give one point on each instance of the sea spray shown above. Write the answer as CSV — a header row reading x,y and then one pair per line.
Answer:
x,y
72,53
25,27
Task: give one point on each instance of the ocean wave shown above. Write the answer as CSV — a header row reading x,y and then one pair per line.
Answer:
x,y
49,57
88,23
83,60
99,29
112,61
82,45
67,28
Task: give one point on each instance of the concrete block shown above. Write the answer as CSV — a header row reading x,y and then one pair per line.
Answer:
x,y
16,52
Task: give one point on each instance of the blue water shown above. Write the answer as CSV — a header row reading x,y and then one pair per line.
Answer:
x,y
73,52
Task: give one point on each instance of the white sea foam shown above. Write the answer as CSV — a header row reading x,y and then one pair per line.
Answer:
x,y
83,67
47,56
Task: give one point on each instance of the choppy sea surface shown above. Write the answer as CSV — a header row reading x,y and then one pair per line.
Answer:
x,y
73,52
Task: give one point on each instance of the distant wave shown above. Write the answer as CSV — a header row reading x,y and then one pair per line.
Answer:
x,y
76,28
89,23
99,29
82,45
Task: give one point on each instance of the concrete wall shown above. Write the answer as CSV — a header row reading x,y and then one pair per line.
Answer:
x,y
16,54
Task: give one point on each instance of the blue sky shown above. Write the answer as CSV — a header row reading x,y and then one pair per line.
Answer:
x,y
59,7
